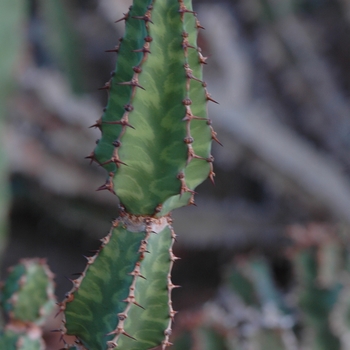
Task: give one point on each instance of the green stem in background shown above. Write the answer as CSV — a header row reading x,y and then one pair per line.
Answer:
x,y
12,14
27,297
63,41
155,145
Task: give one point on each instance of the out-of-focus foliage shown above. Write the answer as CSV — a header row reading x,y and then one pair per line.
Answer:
x,y
11,41
252,311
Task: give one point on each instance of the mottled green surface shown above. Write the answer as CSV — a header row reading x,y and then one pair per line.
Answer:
x,y
316,301
11,286
93,313
268,339
28,285
155,151
148,325
203,338
8,340
243,286
144,147
120,94
210,339
13,341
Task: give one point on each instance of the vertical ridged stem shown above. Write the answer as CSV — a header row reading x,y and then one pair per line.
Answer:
x,y
130,300
155,145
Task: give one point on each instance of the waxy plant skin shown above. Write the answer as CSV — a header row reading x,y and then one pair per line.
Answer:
x,y
155,145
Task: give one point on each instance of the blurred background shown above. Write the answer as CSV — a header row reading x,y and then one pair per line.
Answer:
x,y
280,70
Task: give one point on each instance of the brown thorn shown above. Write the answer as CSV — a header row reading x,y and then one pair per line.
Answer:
x,y
202,59
185,10
113,160
190,116
107,186
120,122
213,136
128,335
60,305
185,45
143,49
126,16
211,177
192,202
107,86
132,83
198,25
116,331
189,75
92,158
209,98
97,124
143,18
136,274
137,304
174,286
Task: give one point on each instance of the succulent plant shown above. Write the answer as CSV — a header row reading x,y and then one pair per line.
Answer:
x,y
247,313
27,298
26,339
155,145
319,260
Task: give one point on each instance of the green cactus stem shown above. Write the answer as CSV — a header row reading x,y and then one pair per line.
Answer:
x,y
126,284
28,293
156,136
317,258
155,145
26,339
27,297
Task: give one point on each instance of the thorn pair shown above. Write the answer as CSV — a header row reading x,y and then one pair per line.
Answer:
x,y
92,158
145,18
121,122
109,183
